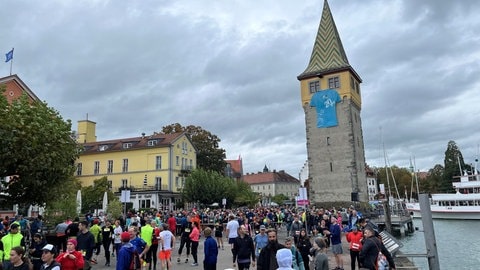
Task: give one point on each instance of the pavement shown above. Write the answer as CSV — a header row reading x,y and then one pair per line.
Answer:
x,y
224,260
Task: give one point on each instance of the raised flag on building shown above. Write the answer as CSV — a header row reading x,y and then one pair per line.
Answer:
x,y
9,56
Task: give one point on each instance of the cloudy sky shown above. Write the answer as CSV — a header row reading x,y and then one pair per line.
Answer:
x,y
231,66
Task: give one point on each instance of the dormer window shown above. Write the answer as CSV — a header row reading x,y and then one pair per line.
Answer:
x,y
103,147
127,145
152,142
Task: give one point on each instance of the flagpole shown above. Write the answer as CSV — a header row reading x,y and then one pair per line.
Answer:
x,y
11,63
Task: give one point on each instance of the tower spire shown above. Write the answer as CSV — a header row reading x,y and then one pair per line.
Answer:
x,y
328,54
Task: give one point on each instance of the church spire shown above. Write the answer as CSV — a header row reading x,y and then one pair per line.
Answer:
x,y
328,54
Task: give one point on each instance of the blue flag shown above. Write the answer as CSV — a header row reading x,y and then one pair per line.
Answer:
x,y
9,56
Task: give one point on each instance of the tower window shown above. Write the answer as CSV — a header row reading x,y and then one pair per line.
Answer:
x,y
328,140
331,166
357,87
334,82
314,86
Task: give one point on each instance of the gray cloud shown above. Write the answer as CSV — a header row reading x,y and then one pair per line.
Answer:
x,y
231,67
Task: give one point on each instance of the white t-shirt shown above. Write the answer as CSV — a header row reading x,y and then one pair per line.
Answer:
x,y
232,227
166,235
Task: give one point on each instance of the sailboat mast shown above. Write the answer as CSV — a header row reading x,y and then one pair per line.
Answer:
x,y
416,176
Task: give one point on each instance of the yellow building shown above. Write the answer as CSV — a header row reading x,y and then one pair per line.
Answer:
x,y
152,167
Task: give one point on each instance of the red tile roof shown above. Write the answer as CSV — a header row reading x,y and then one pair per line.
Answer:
x,y
136,143
269,177
236,165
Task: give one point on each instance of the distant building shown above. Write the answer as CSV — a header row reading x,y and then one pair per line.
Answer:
x,y
234,169
15,88
271,183
153,167
372,186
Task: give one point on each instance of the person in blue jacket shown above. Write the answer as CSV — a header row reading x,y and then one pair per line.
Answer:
x,y
210,250
126,252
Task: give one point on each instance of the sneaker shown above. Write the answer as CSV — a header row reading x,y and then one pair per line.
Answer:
x,y
194,264
113,254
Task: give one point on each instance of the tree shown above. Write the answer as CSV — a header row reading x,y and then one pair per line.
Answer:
x,y
245,195
434,178
207,187
37,151
210,156
92,196
454,166
401,177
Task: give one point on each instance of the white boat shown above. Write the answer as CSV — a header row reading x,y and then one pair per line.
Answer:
x,y
464,204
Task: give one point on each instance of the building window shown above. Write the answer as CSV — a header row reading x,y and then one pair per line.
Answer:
x,y
158,162
334,82
79,169
109,182
328,140
158,183
177,160
144,203
331,166
110,166
184,148
357,87
352,83
314,86
125,165
152,142
177,182
127,145
124,183
96,168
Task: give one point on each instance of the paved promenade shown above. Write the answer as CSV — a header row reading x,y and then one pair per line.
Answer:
x,y
224,257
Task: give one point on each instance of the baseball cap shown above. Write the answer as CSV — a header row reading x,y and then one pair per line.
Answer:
x,y
262,227
125,236
50,247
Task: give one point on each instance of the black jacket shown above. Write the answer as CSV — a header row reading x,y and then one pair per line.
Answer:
x,y
368,254
243,248
267,259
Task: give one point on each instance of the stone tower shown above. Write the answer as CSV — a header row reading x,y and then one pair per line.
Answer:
x,y
331,99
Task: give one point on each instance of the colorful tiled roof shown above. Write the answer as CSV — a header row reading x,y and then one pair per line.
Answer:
x,y
328,54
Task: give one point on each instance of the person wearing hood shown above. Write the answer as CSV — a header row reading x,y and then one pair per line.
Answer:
x,y
36,251
284,259
125,254
71,259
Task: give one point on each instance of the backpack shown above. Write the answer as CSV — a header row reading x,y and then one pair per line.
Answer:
x,y
135,263
382,262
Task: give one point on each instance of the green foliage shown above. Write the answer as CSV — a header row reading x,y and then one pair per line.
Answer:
x,y
63,204
432,183
244,195
114,209
279,199
207,187
452,167
92,196
210,156
402,177
37,149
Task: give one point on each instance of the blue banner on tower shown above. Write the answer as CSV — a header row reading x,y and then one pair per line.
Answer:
x,y
325,102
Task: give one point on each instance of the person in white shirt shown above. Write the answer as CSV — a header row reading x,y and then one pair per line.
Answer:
x,y
166,244
232,230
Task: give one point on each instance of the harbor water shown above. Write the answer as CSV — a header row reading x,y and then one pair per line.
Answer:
x,y
458,244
